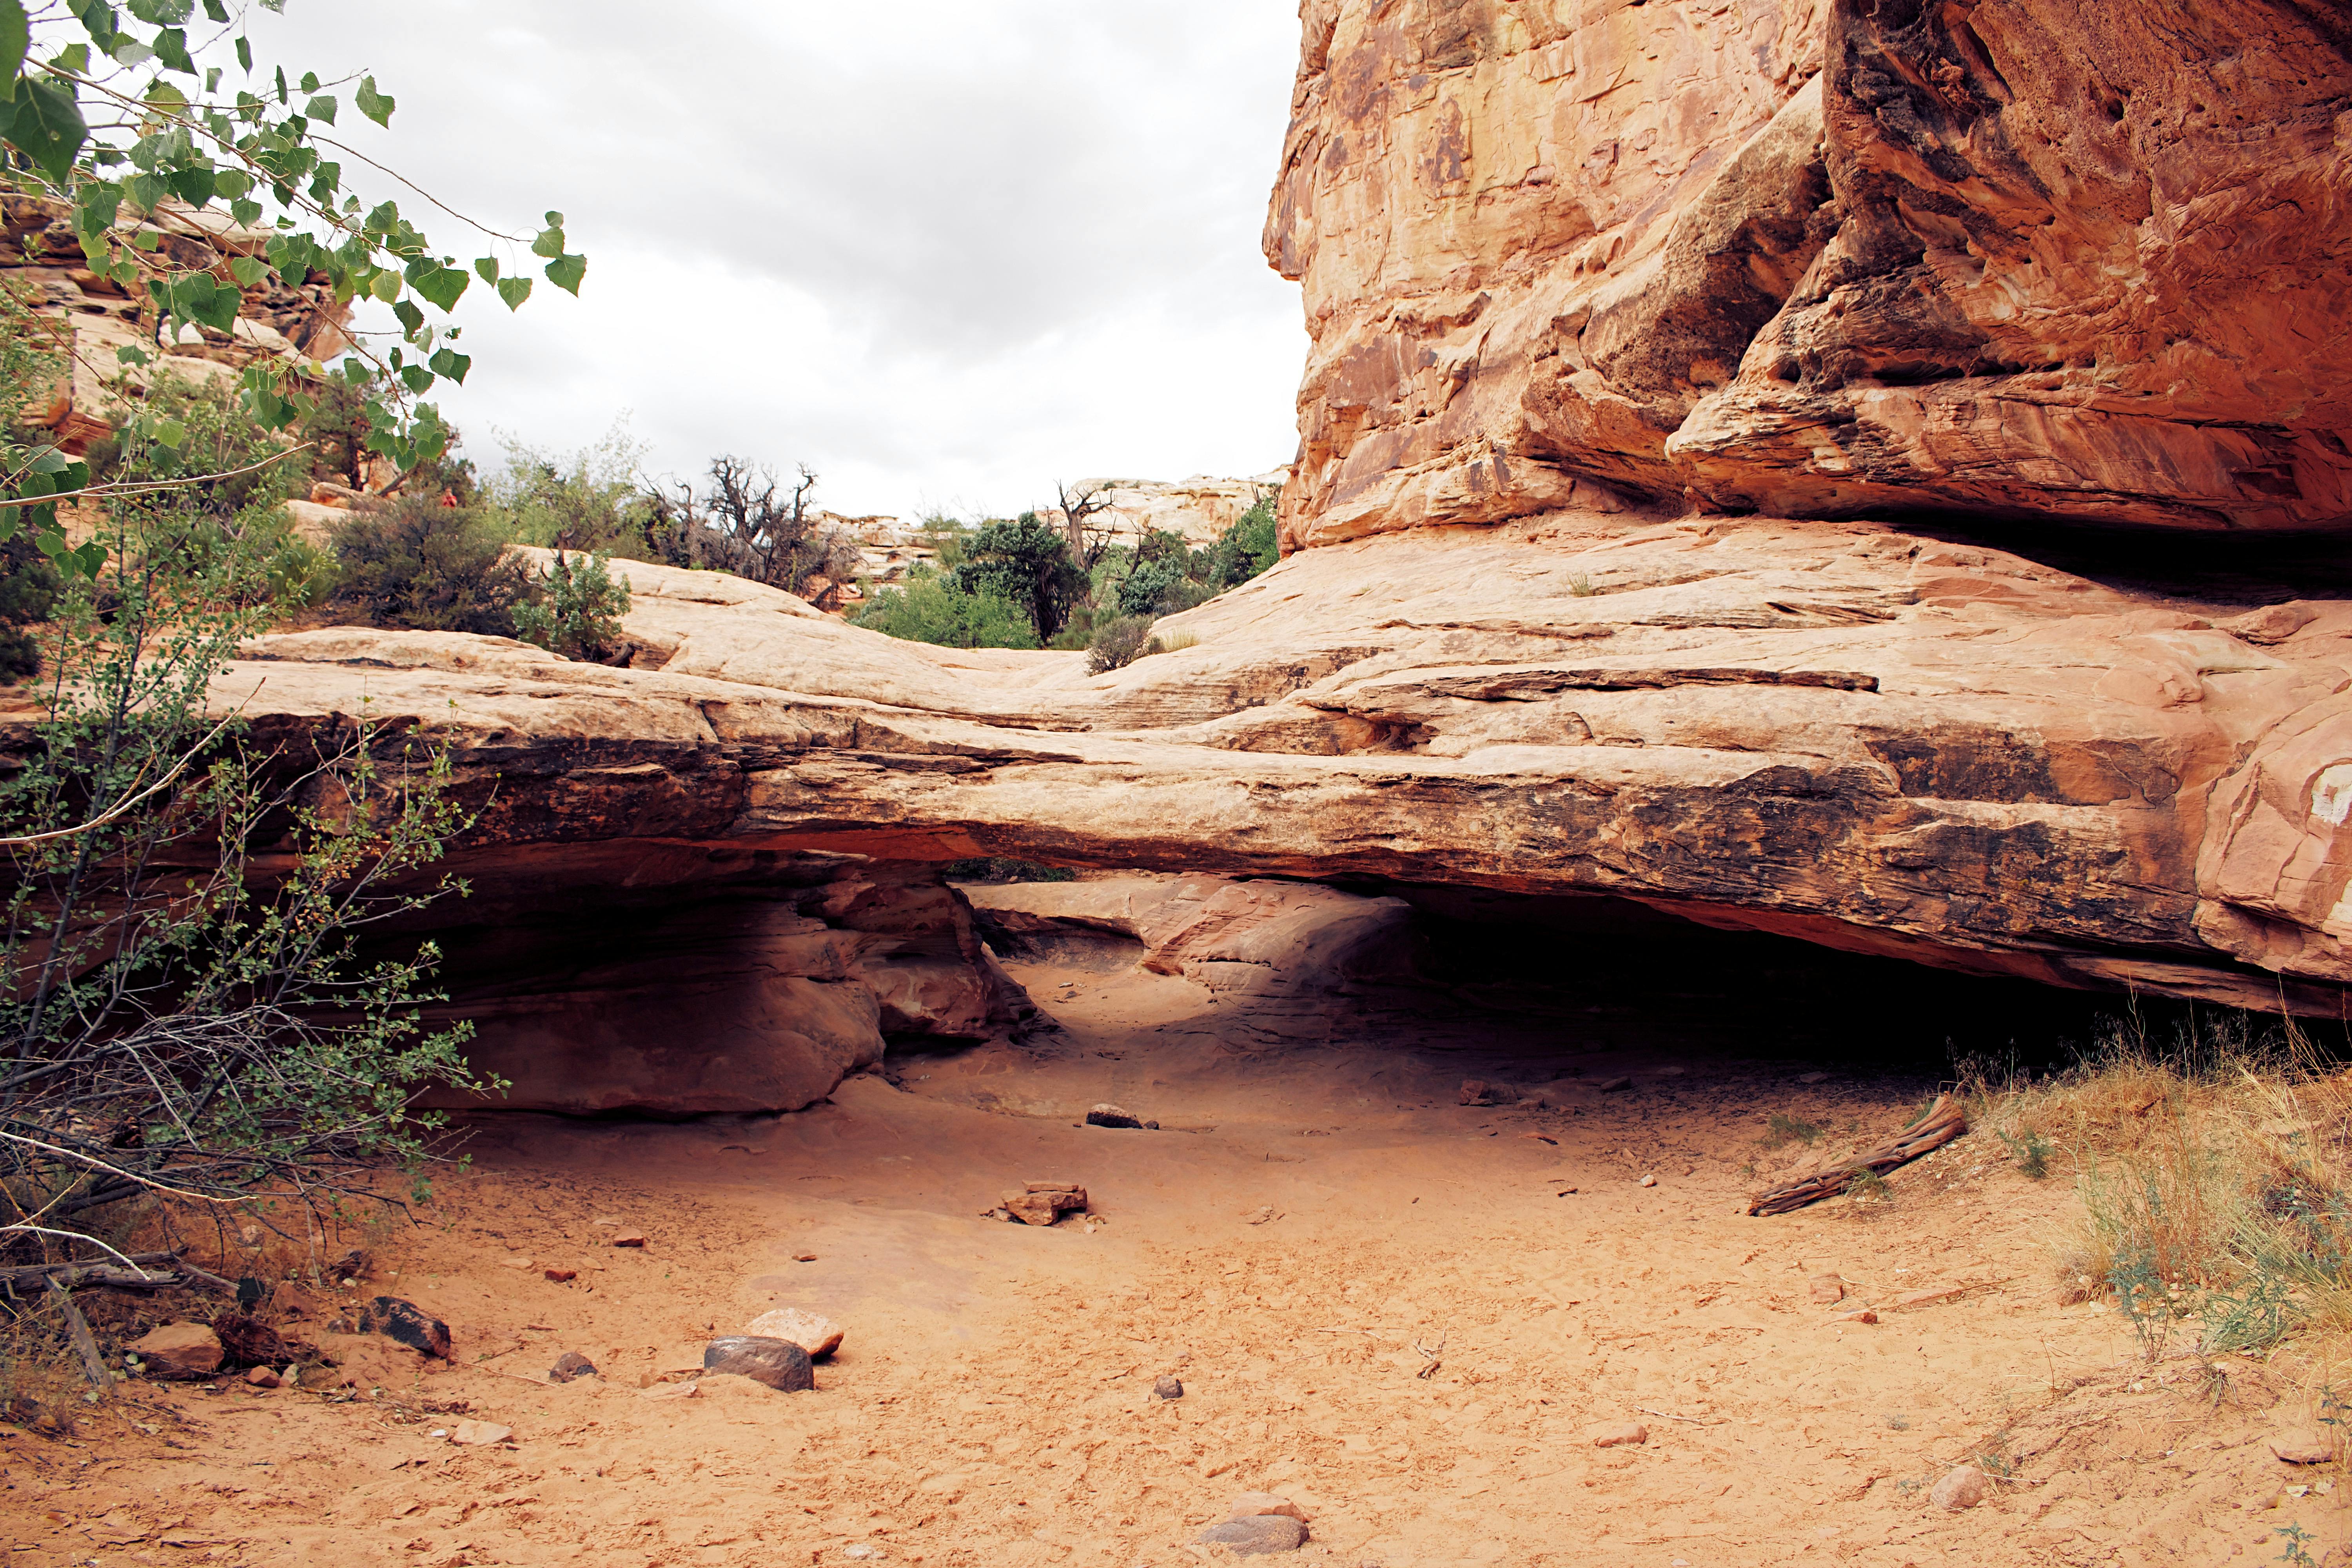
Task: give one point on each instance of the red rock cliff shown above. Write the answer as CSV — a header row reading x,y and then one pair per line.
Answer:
x,y
1822,257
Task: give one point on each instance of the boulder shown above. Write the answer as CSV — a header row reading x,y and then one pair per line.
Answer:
x,y
1045,1201
780,1363
819,1336
178,1350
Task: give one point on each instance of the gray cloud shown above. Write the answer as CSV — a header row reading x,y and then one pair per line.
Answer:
x,y
943,252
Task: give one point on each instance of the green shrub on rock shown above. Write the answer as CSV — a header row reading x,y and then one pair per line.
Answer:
x,y
929,607
579,611
1120,642
424,566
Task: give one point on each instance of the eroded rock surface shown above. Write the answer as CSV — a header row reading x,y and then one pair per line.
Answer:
x,y
1872,739
1822,258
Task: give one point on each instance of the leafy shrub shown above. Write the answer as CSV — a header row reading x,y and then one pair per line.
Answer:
x,y
1027,564
579,610
1141,590
1120,642
428,567
931,608
1249,547
591,501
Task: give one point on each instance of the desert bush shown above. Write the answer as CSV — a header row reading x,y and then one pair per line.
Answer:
x,y
1027,564
929,607
2208,1162
577,610
184,1017
590,502
1120,642
1249,547
418,564
756,525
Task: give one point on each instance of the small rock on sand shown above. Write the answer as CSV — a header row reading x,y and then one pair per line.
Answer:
x,y
264,1377
1255,1536
479,1434
1475,1091
562,1275
780,1363
1618,1436
1964,1487
1113,1116
1649,1181
1035,1208
404,1322
1828,1289
1167,1388
571,1364
1255,1505
1616,1085
1864,1316
629,1238
2303,1447
179,1350
817,1335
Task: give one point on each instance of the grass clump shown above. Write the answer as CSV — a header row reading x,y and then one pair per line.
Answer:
x,y
2210,1161
1781,1130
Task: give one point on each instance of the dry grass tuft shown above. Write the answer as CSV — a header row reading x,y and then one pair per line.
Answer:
x,y
2213,1167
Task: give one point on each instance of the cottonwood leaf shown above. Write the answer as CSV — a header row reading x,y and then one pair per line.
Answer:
x,y
321,108
514,291
45,125
566,271
488,266
451,364
550,242
375,105
15,37
247,270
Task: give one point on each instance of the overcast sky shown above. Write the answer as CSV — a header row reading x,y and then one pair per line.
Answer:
x,y
944,251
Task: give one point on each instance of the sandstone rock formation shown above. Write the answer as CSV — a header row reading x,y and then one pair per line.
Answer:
x,y
1198,509
1673,304
1867,738
1256,938
95,316
1820,259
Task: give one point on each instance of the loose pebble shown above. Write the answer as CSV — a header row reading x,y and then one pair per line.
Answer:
x,y
1828,1289
479,1434
1618,1436
817,1335
1963,1488
1255,1536
780,1363
571,1364
1167,1388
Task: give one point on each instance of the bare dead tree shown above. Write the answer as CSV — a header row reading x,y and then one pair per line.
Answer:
x,y
756,525
1087,544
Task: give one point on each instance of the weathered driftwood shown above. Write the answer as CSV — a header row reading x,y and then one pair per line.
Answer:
x,y
153,1272
1942,1123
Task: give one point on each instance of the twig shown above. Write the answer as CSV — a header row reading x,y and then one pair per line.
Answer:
x,y
84,1343
163,783
147,487
1431,1355
1663,1416
70,1236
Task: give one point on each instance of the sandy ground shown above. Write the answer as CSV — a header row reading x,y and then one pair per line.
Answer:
x,y
1409,1316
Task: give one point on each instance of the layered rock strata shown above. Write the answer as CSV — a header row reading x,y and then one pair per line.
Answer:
x,y
41,259
1872,739
1822,258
